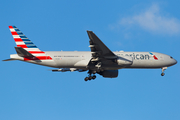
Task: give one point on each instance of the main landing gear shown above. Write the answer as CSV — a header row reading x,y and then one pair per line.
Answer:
x,y
163,69
90,77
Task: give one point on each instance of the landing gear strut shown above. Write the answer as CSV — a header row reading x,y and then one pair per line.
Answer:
x,y
163,69
90,77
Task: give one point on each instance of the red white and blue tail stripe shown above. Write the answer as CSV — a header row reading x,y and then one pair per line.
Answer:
x,y
22,41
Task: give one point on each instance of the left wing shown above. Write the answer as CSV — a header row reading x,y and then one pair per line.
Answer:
x,y
101,54
98,49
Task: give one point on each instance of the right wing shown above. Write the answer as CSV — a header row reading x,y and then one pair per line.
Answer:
x,y
67,69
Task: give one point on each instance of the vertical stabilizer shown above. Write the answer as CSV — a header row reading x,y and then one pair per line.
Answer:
x,y
24,44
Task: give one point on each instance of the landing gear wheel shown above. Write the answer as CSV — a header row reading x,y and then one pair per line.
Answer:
x,y
162,74
86,78
93,77
90,77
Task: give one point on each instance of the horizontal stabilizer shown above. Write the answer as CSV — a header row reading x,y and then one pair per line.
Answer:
x,y
11,59
22,52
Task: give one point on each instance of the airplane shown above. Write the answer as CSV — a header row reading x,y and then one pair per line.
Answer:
x,y
100,60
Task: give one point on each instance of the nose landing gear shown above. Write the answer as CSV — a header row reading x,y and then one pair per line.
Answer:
x,y
163,69
162,74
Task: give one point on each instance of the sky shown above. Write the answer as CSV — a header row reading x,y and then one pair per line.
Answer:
x,y
32,92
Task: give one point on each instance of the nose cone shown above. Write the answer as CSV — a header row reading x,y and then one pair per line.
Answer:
x,y
174,62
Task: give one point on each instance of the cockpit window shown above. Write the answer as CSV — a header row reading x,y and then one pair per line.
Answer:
x,y
171,57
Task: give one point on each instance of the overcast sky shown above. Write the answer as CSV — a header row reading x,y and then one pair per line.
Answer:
x,y
32,92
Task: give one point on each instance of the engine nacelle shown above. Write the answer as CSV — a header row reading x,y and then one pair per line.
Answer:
x,y
109,73
125,60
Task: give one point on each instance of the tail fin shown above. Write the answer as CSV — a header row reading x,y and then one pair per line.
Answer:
x,y
25,48
21,40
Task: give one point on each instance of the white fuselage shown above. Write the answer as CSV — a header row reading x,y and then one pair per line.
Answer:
x,y
80,60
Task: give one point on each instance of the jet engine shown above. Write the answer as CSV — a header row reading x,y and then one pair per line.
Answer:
x,y
109,73
125,60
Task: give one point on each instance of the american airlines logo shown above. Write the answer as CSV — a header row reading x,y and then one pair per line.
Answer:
x,y
140,56
153,56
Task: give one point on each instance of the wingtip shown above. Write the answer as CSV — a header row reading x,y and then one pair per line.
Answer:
x,y
89,31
